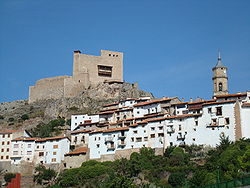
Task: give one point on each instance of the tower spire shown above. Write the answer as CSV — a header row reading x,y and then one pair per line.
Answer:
x,y
219,62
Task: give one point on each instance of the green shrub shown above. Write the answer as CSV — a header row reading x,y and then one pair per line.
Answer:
x,y
11,119
9,176
43,175
25,117
1,117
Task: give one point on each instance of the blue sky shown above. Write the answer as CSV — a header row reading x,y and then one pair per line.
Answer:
x,y
169,47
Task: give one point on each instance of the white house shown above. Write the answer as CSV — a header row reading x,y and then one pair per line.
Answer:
x,y
51,150
5,142
77,119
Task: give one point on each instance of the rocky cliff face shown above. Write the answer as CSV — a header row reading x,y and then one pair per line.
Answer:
x,y
88,101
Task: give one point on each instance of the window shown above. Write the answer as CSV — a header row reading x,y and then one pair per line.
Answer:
x,y
194,129
161,135
8,143
15,145
37,147
145,138
2,143
1,157
193,139
41,154
8,149
152,128
29,152
97,145
152,135
220,87
55,146
75,117
2,150
179,127
218,111
138,139
3,135
227,121
135,132
196,123
29,145
15,152
209,110
8,135
132,139
53,160
54,153
104,71
7,157
161,128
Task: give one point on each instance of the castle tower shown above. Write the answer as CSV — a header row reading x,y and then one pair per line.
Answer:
x,y
220,78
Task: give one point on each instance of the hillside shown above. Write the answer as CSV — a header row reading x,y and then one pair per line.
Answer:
x,y
21,115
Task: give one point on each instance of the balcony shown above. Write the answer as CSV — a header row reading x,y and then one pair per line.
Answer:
x,y
121,143
122,136
180,138
170,130
111,147
109,139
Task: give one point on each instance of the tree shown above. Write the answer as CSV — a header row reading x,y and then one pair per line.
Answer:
x,y
176,179
9,176
25,117
43,175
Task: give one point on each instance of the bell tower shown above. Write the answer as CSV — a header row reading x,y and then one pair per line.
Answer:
x,y
220,78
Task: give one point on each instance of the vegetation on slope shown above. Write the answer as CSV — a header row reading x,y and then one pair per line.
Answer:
x,y
187,166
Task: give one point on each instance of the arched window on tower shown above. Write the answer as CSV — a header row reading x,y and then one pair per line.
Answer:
x,y
220,86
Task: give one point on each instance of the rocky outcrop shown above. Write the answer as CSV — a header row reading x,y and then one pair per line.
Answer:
x,y
89,101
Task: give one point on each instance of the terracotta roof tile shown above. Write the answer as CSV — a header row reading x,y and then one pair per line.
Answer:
x,y
51,138
219,102
80,131
81,150
9,131
115,129
112,104
25,139
231,95
153,101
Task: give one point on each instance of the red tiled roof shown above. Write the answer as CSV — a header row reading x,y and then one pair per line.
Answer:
x,y
80,131
51,138
153,101
112,104
8,131
25,139
81,150
219,102
231,95
115,129
106,112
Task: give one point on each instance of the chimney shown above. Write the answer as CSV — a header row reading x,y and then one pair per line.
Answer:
x,y
191,99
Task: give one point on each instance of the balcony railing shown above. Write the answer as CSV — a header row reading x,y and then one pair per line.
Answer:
x,y
122,136
109,139
111,147
170,130
180,137
121,143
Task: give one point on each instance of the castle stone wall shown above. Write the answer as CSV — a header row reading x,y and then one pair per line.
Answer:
x,y
48,88
87,70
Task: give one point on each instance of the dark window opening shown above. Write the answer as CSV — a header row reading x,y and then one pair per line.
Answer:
x,y
105,71
218,111
220,86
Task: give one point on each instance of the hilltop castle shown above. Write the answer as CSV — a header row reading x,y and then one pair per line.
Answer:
x,y
87,70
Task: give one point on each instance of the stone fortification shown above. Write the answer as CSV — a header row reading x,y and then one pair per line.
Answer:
x,y
88,70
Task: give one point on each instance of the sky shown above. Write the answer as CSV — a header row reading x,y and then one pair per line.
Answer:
x,y
169,46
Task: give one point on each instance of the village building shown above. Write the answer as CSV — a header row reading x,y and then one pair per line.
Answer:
x,y
5,142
